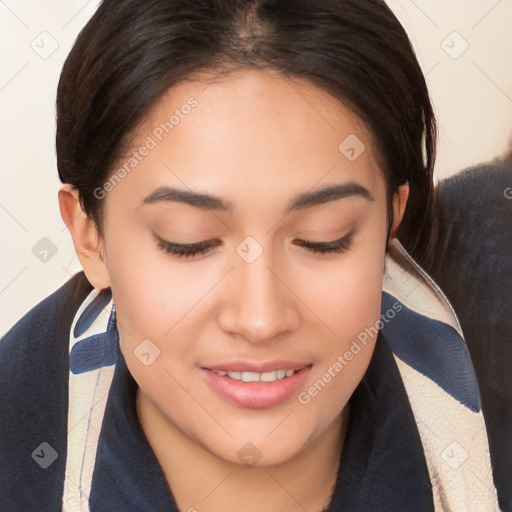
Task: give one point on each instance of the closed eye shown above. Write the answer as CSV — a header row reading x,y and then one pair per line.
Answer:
x,y
203,247
186,250
336,246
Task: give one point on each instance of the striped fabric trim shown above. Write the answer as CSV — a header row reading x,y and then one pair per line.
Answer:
x,y
407,281
454,440
88,393
441,385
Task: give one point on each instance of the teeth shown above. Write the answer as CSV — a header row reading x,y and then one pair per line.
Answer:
x,y
257,377
251,377
269,376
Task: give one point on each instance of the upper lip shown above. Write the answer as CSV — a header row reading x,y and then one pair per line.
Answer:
x,y
256,367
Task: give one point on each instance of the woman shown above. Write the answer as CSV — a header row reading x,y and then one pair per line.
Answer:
x,y
248,334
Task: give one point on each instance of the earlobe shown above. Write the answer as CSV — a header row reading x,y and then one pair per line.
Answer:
x,y
399,204
85,236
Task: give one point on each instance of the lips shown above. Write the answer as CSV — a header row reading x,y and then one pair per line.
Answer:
x,y
256,385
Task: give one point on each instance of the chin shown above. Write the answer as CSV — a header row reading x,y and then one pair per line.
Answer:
x,y
259,450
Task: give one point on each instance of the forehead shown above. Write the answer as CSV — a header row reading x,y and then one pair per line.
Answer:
x,y
253,128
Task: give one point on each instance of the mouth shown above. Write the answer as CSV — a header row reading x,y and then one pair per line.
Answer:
x,y
256,389
257,377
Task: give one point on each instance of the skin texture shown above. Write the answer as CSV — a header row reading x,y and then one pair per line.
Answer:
x,y
257,140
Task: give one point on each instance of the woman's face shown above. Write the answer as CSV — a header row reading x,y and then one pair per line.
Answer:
x,y
247,167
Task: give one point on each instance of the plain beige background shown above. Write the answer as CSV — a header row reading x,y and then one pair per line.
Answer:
x,y
464,48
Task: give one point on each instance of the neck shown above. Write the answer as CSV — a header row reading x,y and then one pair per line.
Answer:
x,y
202,482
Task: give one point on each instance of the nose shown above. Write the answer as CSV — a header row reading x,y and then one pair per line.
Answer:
x,y
260,304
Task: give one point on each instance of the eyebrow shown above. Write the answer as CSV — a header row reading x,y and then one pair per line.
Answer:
x,y
330,193
300,202
205,201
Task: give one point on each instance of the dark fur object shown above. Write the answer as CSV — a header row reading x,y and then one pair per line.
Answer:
x,y
473,266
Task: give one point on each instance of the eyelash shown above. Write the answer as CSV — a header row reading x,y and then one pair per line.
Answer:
x,y
186,250
190,250
334,247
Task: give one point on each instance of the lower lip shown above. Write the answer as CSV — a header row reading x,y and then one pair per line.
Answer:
x,y
256,395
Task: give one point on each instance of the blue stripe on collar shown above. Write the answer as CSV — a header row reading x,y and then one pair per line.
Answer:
x,y
97,350
434,349
91,312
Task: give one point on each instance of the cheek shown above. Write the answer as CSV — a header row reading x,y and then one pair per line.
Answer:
x,y
151,295
161,301
153,304
347,297
346,293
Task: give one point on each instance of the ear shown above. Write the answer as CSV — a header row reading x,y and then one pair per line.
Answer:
x,y
399,204
85,236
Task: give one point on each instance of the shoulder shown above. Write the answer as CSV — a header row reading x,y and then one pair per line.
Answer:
x,y
473,211
35,347
44,325
34,369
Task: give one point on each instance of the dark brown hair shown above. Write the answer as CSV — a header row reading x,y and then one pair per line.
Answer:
x,y
131,52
